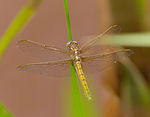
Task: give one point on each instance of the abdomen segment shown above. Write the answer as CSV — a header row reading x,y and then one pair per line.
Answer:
x,y
82,79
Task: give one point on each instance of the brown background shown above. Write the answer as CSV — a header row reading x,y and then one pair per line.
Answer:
x,y
32,95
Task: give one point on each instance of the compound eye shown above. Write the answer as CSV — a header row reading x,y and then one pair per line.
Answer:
x,y
68,43
75,42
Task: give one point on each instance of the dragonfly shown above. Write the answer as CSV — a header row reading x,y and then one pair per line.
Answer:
x,y
87,58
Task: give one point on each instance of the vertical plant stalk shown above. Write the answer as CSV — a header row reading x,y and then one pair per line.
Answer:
x,y
77,106
143,13
68,21
22,18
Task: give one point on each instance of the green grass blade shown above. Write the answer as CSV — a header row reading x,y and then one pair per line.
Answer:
x,y
129,69
68,20
4,112
77,105
142,11
136,81
17,24
133,39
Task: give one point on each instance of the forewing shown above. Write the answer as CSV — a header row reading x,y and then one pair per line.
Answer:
x,y
92,43
52,69
41,51
98,63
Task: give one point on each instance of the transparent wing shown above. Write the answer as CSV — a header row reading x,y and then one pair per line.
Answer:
x,y
98,63
41,51
51,69
92,45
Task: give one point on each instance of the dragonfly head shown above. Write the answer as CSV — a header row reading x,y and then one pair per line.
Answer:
x,y
73,45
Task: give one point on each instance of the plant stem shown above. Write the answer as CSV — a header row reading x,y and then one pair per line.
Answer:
x,y
68,20
77,105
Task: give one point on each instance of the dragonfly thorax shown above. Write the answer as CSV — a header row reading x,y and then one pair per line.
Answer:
x,y
74,50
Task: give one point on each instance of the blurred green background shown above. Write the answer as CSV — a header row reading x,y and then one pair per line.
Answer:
x,y
121,91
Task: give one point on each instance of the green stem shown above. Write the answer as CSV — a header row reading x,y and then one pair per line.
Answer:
x,y
77,105
142,10
68,20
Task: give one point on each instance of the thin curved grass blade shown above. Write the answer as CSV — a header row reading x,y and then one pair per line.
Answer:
x,y
22,18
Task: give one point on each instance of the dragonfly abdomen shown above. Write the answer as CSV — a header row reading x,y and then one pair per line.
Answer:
x,y
82,79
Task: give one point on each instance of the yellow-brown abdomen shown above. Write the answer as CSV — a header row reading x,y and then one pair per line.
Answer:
x,y
82,79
